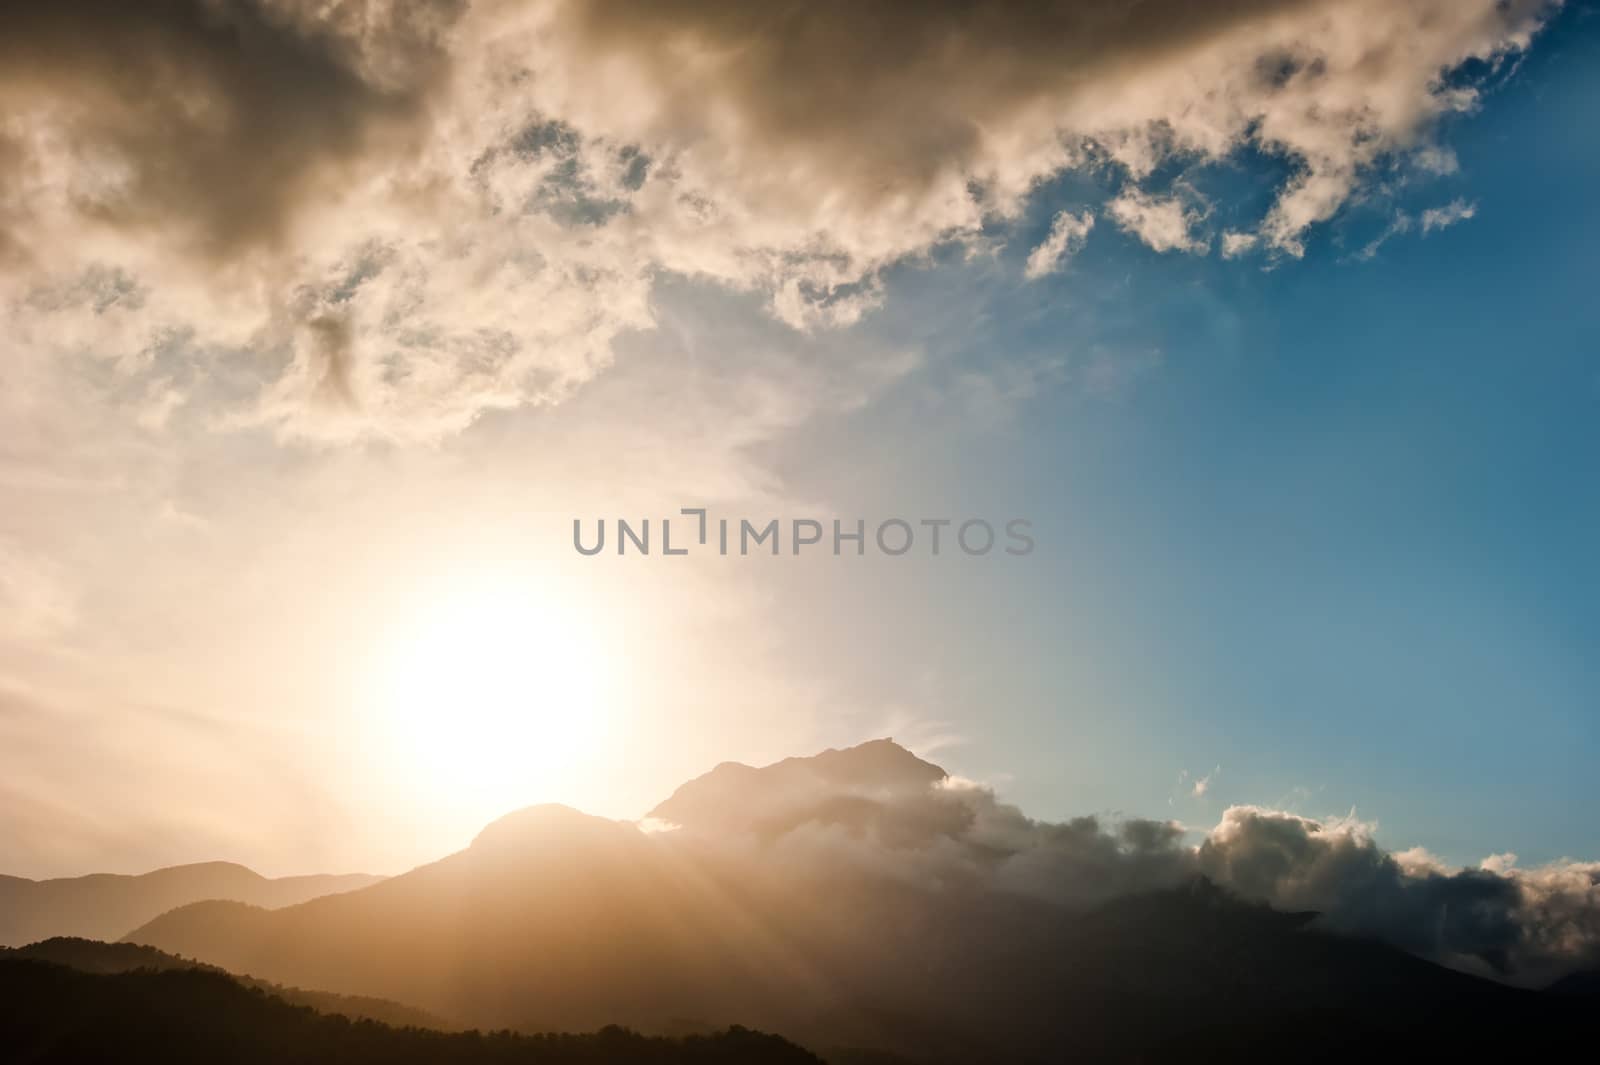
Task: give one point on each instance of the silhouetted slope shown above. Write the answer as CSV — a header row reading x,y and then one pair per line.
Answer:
x,y
107,906
54,1015
550,920
1182,975
1585,983
92,956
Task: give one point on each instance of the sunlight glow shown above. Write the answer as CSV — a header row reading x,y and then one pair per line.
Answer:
x,y
489,695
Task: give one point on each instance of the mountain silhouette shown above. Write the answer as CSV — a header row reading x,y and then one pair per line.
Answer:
x,y
550,920
108,906
801,899
93,956
837,786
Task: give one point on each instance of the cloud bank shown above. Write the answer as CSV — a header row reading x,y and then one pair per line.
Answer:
x,y
372,219
877,809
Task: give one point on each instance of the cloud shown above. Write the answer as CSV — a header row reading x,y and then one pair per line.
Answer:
x,y
385,220
1164,223
203,124
1530,924
1436,159
1456,210
921,828
1399,224
1526,925
1235,244
916,123
1203,784
1066,238
1431,219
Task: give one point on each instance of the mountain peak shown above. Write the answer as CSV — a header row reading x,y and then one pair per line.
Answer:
x,y
542,823
881,764
737,793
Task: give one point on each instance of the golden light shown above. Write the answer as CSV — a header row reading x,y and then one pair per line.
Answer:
x,y
487,696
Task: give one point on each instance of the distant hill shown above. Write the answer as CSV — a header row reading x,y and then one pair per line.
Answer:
x,y
108,906
55,1015
92,956
554,920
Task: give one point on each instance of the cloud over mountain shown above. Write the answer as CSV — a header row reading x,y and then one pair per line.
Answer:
x,y
878,808
406,215
1523,924
864,897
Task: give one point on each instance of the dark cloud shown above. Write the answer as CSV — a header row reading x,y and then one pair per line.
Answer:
x,y
883,99
919,110
211,119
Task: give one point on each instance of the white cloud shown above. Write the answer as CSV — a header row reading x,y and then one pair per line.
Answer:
x,y
1436,159
1068,232
1164,223
1400,223
1457,210
1432,219
1527,924
1235,244
1499,863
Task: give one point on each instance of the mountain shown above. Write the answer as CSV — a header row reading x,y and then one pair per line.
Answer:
x,y
550,920
107,906
856,899
56,1015
851,784
92,956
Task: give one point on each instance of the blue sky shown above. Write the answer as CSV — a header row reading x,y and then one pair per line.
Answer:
x,y
1333,530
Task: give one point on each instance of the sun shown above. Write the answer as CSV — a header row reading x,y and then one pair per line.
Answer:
x,y
489,693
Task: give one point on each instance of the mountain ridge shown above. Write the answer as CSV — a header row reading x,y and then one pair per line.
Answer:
x,y
56,1013
849,899
93,956
109,905
735,796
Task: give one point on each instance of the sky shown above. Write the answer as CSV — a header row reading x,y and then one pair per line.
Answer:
x,y
1274,320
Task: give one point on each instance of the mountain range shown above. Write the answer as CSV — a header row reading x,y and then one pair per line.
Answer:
x,y
107,906
860,899
859,902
